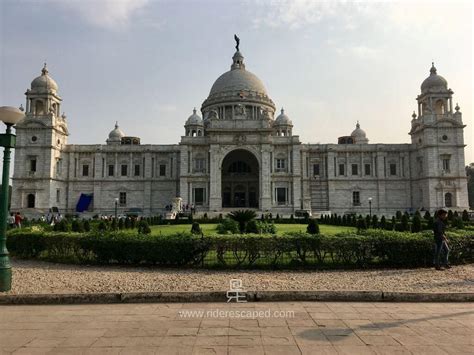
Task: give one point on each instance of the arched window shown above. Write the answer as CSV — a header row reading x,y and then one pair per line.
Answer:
x,y
30,201
39,107
439,107
448,199
199,133
193,133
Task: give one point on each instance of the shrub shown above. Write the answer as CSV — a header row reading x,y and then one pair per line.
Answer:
x,y
102,226
242,217
227,226
416,224
121,224
398,215
87,225
61,226
143,227
196,228
383,223
375,221
457,222
128,223
465,216
404,225
77,226
312,227
361,224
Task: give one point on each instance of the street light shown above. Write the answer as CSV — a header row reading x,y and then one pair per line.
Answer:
x,y
370,207
10,116
116,210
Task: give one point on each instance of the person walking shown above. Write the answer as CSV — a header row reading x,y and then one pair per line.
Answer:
x,y
11,220
18,219
441,242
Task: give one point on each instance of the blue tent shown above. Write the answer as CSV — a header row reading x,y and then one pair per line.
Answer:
x,y
84,202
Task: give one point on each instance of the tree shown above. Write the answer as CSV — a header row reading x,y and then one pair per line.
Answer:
x,y
416,225
361,224
367,221
312,227
196,228
427,215
404,224
242,217
465,216
375,221
398,215
87,225
383,222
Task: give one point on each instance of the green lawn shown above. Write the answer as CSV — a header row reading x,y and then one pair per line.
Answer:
x,y
281,229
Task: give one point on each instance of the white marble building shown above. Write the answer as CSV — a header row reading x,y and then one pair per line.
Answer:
x,y
241,153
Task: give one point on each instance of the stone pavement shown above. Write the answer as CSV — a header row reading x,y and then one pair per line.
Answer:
x,y
225,328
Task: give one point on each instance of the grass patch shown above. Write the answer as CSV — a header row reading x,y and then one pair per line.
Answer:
x,y
208,229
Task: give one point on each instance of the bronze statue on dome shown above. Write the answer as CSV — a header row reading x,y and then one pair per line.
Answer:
x,y
237,42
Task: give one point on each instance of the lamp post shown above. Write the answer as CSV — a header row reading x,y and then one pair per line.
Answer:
x,y
116,211
370,207
10,116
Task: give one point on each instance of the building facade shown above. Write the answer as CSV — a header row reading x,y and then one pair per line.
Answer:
x,y
240,154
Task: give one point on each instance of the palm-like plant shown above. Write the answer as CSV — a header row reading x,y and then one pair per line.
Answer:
x,y
242,217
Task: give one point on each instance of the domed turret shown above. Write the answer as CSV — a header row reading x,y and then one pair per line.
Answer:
x,y
283,124
359,135
283,119
44,82
434,82
194,119
194,125
116,135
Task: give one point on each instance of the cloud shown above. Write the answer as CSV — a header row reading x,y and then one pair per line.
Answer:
x,y
110,14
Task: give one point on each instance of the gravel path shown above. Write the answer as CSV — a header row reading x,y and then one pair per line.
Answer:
x,y
43,277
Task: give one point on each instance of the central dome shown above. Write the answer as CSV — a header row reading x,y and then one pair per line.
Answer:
x,y
238,92
237,79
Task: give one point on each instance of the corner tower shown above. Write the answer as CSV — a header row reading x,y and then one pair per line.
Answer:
x,y
39,181
439,178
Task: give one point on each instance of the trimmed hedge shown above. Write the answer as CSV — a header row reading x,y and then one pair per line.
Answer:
x,y
373,248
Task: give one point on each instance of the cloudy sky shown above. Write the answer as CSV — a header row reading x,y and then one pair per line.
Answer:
x,y
147,63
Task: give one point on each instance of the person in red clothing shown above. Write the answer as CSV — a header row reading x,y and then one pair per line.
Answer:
x,y
18,219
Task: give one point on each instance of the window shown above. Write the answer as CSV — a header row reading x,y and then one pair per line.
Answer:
x,y
393,169
33,165
199,196
367,169
162,170
200,165
280,164
315,169
30,200
124,170
356,198
341,169
58,195
281,195
355,170
123,198
446,165
111,170
239,167
448,199
85,170
58,167
137,170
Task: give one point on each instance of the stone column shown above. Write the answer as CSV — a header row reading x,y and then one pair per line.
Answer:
x,y
215,203
265,193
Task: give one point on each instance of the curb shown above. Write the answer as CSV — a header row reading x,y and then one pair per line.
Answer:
x,y
221,296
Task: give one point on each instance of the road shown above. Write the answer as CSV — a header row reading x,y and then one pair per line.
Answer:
x,y
239,328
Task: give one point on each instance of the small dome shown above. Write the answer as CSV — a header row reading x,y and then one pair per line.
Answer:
x,y
283,119
44,82
116,134
434,81
359,135
194,119
358,132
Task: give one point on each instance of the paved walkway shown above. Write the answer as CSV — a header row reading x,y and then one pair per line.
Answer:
x,y
224,328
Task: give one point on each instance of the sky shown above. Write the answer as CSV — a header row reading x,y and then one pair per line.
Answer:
x,y
147,63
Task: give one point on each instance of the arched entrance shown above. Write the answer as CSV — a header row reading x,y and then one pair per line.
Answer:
x,y
240,179
30,201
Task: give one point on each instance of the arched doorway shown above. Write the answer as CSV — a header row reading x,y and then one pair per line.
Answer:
x,y
240,179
